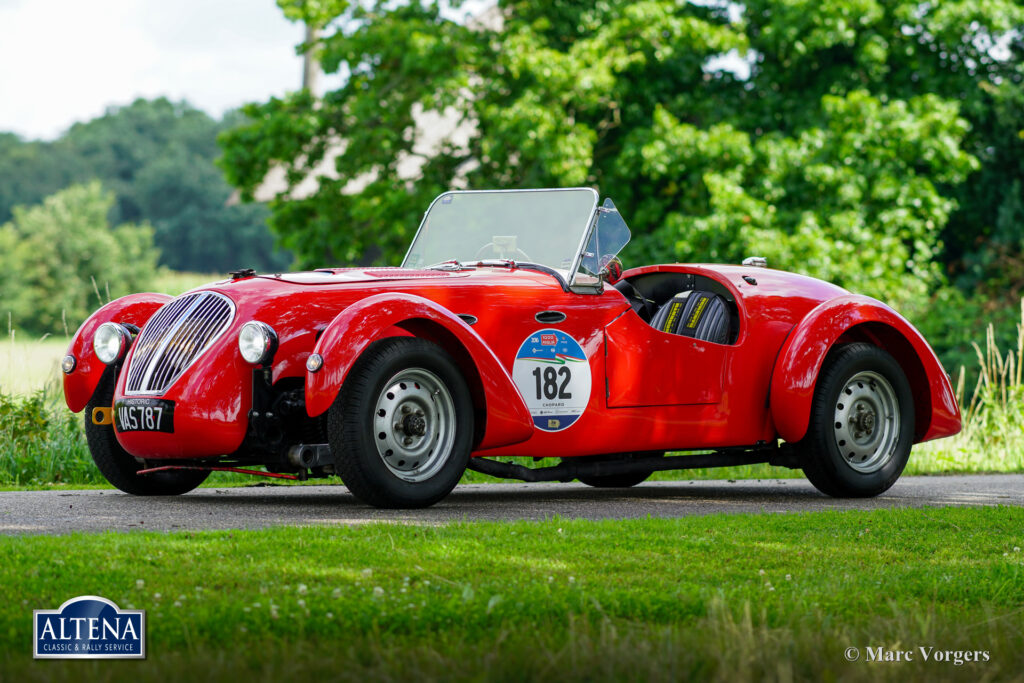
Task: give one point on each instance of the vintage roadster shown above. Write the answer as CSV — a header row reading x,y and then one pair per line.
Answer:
x,y
509,330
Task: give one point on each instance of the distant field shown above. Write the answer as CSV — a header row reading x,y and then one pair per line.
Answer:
x,y
174,283
28,364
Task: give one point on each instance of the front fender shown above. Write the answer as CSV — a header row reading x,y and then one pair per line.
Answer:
x,y
134,309
859,318
507,419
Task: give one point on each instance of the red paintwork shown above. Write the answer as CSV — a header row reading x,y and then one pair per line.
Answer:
x,y
804,351
134,309
649,390
507,417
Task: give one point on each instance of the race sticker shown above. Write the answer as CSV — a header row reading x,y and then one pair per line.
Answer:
x,y
553,375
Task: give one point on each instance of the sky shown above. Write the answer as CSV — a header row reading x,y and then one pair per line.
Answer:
x,y
63,61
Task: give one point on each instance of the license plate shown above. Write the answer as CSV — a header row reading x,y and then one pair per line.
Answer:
x,y
144,415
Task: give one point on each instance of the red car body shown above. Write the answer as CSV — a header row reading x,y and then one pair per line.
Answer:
x,y
649,390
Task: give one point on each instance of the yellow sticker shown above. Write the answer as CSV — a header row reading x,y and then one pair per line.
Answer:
x,y
701,305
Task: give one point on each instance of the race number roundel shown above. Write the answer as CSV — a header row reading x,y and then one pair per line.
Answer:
x,y
553,375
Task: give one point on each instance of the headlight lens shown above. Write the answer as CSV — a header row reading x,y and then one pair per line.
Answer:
x,y
110,342
257,341
68,364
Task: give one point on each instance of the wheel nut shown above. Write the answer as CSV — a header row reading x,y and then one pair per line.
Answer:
x,y
408,441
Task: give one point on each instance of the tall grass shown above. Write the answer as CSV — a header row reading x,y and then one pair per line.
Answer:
x,y
42,444
992,439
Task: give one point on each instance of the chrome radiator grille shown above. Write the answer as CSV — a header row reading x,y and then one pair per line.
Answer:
x,y
173,338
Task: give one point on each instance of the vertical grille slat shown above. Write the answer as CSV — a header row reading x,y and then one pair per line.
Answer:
x,y
147,345
174,338
179,348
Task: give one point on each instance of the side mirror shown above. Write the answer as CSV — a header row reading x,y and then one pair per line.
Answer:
x,y
611,269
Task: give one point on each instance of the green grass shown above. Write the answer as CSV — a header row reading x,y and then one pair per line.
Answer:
x,y
741,597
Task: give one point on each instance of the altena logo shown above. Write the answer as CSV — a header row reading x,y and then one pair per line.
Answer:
x,y
89,627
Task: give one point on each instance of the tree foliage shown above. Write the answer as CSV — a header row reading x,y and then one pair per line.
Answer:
x,y
157,157
61,260
858,140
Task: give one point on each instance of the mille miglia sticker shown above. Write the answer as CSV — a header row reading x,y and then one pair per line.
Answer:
x,y
553,375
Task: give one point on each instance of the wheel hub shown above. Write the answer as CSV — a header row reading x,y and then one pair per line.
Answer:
x,y
414,424
862,422
867,422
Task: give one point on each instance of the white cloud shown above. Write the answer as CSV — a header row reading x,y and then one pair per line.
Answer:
x,y
63,61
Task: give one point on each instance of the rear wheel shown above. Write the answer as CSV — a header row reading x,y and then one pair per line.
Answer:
x,y
862,423
118,466
401,429
620,481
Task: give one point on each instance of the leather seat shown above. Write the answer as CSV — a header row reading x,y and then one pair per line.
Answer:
x,y
698,314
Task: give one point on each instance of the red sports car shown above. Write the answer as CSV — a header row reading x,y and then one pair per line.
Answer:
x,y
509,330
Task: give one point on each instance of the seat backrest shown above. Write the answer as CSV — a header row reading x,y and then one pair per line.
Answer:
x,y
697,314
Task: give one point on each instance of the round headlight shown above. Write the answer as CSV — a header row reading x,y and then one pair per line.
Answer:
x,y
110,342
257,341
68,364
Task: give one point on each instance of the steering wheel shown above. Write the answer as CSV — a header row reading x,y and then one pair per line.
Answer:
x,y
491,245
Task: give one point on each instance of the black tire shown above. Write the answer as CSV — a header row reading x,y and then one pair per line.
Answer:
x,y
428,456
118,466
862,423
620,481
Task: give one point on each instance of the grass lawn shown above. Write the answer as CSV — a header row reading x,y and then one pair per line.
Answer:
x,y
740,597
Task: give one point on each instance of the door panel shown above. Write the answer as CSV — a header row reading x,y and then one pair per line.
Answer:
x,y
646,367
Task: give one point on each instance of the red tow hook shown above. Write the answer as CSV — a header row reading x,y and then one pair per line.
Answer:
x,y
168,468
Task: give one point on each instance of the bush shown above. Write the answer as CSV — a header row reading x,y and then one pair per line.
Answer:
x,y
42,443
61,259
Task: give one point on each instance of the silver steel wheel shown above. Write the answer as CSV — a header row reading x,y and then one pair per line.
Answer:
x,y
867,422
414,424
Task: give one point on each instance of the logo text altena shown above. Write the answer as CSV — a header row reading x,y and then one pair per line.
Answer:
x,y
89,627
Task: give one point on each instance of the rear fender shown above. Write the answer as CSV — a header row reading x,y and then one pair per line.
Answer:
x,y
502,416
859,318
134,309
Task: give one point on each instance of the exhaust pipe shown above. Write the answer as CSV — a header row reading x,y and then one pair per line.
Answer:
x,y
308,456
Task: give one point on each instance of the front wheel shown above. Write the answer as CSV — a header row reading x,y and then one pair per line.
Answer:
x,y
401,429
862,423
118,466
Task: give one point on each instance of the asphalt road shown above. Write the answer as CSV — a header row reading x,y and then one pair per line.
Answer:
x,y
29,512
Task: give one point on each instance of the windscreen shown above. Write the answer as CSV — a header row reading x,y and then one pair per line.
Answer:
x,y
537,226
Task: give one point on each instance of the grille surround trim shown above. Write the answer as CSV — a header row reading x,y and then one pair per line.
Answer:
x,y
161,354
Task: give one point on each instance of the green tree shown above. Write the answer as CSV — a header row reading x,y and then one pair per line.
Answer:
x,y
61,260
843,153
157,156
